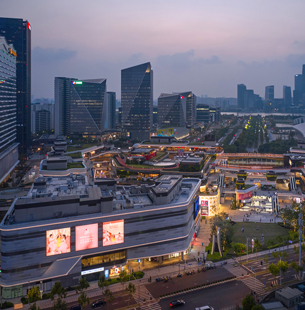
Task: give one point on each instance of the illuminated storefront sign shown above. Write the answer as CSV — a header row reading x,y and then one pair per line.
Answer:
x,y
92,271
58,241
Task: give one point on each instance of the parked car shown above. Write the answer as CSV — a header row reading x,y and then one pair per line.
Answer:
x,y
177,303
98,303
205,308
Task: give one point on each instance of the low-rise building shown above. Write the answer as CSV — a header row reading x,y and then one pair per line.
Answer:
x,y
65,228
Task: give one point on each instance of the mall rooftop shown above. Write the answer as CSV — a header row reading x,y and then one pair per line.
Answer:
x,y
52,198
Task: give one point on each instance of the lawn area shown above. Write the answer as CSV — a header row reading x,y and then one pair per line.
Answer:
x,y
215,257
270,231
75,165
159,155
75,155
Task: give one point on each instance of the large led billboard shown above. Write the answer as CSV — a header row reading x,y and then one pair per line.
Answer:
x,y
86,237
58,241
240,196
113,232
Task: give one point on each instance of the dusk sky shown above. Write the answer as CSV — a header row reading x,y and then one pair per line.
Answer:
x,y
207,46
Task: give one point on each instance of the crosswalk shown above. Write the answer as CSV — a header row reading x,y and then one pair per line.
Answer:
x,y
142,294
154,306
254,284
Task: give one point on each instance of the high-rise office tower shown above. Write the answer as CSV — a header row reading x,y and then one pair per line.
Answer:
x,y
80,107
203,113
241,95
171,110
287,95
269,93
137,100
297,93
18,32
8,145
42,121
111,109
155,114
190,107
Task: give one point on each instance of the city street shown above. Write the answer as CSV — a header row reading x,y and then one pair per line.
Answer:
x,y
224,295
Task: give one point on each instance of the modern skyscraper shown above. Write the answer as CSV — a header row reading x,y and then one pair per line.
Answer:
x,y
137,100
80,107
42,121
203,113
18,32
269,93
8,145
171,110
111,98
297,93
287,95
241,95
190,107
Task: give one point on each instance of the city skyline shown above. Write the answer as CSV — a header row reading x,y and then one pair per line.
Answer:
x,y
206,47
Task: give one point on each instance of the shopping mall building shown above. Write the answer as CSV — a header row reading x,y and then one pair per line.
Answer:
x,y
65,228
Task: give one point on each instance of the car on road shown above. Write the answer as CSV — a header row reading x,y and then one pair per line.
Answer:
x,y
205,308
177,303
76,307
98,303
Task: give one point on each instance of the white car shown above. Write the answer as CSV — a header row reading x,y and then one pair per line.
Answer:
x,y
205,308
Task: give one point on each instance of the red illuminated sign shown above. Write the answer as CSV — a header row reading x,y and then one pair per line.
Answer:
x,y
243,196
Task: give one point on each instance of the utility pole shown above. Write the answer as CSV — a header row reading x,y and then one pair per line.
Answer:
x,y
300,240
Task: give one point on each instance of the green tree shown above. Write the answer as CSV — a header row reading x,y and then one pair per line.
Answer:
x,y
83,284
296,267
102,283
274,269
248,302
83,299
130,289
33,294
59,304
239,247
283,266
257,307
266,259
34,307
58,290
275,255
226,230
108,295
123,277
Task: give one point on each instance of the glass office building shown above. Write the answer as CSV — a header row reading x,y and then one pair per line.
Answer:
x,y
18,32
111,109
171,110
137,101
80,107
203,113
8,115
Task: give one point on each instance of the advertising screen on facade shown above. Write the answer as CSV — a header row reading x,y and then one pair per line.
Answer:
x,y
196,207
113,232
204,206
86,237
243,196
58,241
